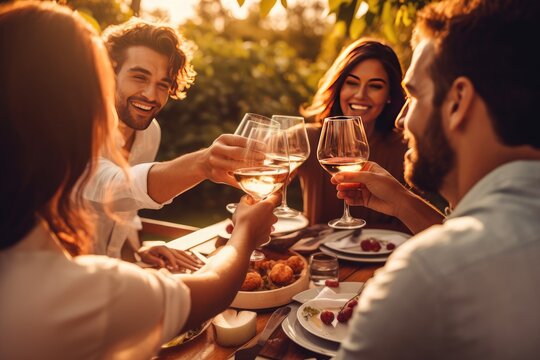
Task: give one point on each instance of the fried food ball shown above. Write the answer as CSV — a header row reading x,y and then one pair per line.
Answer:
x,y
264,266
252,282
281,275
296,264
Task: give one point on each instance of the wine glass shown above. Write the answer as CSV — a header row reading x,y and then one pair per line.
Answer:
x,y
343,146
248,122
266,166
295,129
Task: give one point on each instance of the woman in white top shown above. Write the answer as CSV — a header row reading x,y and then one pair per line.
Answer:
x,y
55,302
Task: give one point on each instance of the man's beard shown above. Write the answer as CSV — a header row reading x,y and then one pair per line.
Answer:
x,y
432,157
124,114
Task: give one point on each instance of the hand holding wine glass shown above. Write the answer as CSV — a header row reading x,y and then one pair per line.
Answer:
x,y
266,165
249,121
343,146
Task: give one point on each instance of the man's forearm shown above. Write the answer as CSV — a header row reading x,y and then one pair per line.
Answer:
x,y
418,214
171,178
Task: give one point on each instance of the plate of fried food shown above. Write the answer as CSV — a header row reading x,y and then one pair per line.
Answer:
x,y
273,281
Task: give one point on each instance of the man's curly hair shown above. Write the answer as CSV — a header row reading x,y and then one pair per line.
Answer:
x,y
160,38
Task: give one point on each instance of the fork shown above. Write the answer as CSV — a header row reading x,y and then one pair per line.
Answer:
x,y
251,352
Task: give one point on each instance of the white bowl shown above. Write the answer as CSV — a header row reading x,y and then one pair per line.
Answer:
x,y
276,297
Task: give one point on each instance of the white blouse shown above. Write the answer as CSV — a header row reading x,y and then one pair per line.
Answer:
x,y
89,307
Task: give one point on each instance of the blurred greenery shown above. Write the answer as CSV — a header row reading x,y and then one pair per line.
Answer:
x,y
257,64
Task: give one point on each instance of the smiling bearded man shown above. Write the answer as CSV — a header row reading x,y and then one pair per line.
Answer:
x,y
151,63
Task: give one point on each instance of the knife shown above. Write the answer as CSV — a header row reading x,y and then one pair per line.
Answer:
x,y
251,352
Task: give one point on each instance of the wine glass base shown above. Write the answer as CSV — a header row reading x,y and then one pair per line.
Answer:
x,y
231,207
347,224
286,212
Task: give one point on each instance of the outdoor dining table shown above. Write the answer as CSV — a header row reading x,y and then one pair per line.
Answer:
x,y
279,346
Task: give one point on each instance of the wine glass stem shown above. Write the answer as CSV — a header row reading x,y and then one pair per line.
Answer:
x,y
284,196
346,214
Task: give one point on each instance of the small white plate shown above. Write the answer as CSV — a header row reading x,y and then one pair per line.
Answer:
x,y
292,328
349,246
282,226
355,258
335,331
345,290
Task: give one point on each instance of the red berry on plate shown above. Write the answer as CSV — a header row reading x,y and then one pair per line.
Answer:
x,y
331,282
365,245
390,246
352,303
344,315
327,317
229,229
375,245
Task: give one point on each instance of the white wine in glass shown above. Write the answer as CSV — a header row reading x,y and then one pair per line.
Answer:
x,y
295,129
343,146
266,167
248,122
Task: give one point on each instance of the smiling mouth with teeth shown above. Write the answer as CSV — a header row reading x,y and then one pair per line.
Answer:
x,y
141,106
358,107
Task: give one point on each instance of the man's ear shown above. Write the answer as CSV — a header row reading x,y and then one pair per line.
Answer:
x,y
458,102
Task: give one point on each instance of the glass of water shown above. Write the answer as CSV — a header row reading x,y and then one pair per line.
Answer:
x,y
323,267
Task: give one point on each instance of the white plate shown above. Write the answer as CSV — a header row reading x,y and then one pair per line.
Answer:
x,y
335,331
342,256
282,226
292,328
345,290
348,246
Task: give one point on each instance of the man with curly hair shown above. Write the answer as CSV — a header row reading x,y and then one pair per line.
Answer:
x,y
152,63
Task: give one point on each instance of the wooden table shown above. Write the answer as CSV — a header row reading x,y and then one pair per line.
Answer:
x,y
279,345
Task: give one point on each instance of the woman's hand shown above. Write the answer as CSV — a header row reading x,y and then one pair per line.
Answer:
x,y
255,219
172,259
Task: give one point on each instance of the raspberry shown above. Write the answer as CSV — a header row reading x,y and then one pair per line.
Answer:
x,y
352,303
331,282
375,246
344,315
390,246
365,245
327,317
229,229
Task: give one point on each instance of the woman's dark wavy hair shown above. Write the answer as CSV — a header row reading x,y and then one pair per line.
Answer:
x,y
160,38
326,100
50,135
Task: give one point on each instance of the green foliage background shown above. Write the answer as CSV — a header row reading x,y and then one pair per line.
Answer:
x,y
254,65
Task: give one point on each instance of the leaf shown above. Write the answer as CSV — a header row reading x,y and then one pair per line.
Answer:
x,y
388,21
284,3
240,2
266,6
333,5
358,26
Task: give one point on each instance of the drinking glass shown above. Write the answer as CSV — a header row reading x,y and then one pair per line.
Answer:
x,y
323,267
343,146
266,166
295,129
248,122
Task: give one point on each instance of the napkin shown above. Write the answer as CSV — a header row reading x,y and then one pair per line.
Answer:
x,y
325,293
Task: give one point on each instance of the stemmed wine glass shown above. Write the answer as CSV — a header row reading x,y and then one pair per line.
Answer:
x,y
248,122
295,129
343,146
266,166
